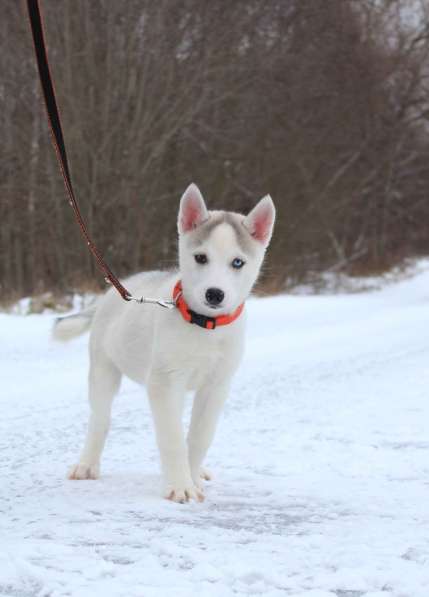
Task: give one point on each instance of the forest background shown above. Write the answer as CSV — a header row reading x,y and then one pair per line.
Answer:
x,y
323,104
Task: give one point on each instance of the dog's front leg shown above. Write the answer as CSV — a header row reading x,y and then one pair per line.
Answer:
x,y
166,395
208,404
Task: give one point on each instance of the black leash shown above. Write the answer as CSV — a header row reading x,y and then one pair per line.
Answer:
x,y
36,24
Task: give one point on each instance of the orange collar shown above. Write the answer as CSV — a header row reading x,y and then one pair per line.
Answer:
x,y
208,323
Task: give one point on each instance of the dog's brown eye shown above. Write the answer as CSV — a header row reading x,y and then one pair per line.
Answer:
x,y
237,263
201,258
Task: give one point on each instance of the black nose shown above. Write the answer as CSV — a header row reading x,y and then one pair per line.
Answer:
x,y
215,296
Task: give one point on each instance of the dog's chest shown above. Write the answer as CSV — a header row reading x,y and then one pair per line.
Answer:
x,y
203,364
202,356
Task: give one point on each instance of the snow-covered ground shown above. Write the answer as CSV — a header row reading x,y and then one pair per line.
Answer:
x,y
321,464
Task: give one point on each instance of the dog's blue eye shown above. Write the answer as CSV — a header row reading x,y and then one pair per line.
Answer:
x,y
201,258
237,263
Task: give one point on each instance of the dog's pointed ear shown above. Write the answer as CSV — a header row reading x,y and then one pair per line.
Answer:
x,y
260,221
192,211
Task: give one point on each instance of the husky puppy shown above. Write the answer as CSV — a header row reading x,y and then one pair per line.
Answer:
x,y
197,346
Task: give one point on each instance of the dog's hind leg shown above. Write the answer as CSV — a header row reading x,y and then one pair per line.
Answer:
x,y
104,381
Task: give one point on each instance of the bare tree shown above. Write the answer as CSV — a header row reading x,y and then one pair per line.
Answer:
x,y
322,103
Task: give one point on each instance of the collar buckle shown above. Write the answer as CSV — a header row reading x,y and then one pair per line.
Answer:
x,y
202,320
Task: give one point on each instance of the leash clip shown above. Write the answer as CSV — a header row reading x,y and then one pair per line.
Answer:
x,y
165,303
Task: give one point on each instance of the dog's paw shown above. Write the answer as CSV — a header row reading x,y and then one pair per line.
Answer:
x,y
199,475
205,474
184,494
84,471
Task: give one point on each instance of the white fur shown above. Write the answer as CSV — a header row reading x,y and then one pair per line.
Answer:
x,y
158,348
67,328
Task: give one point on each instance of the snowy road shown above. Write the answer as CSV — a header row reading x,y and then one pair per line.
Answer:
x,y
321,464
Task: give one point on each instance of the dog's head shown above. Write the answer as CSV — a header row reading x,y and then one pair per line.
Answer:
x,y
220,252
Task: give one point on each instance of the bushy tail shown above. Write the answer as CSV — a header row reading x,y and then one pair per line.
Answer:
x,y
71,326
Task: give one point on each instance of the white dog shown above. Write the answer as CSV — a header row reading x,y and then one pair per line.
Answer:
x,y
196,346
